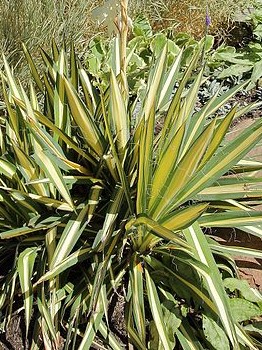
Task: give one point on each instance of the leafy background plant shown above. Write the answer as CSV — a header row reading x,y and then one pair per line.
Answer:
x,y
34,22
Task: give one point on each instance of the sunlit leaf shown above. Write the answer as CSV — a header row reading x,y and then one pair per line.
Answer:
x,y
25,266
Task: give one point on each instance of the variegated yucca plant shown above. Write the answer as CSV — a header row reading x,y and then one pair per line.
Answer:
x,y
97,207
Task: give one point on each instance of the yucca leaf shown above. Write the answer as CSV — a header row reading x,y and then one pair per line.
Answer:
x,y
49,92
253,230
248,108
74,73
55,50
13,119
118,116
218,136
111,340
237,251
157,229
145,163
187,339
92,327
60,115
14,208
90,332
25,265
25,204
54,174
70,179
114,163
156,310
134,336
234,190
244,165
33,68
49,64
49,202
48,327
50,144
154,81
54,303
10,79
18,232
105,234
187,107
181,175
137,297
194,289
45,334
33,97
183,218
169,81
197,239
29,113
93,137
89,91
71,260
170,125
229,155
69,141
166,163
75,227
232,219
29,169
245,339
6,168
100,274
220,101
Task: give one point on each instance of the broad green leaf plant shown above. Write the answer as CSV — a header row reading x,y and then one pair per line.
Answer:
x,y
99,208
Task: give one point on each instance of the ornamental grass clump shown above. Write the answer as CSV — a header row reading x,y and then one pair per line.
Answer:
x,y
94,207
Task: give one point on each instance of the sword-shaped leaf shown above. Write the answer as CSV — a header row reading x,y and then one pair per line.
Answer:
x,y
221,162
60,107
166,165
92,327
232,219
118,116
93,136
236,251
169,81
218,136
155,307
154,83
183,218
52,171
234,190
75,227
145,163
137,297
25,265
197,240
33,68
180,176
71,260
17,232
157,229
